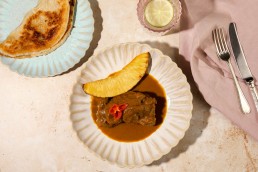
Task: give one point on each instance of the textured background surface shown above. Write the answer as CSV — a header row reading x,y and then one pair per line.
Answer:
x,y
36,132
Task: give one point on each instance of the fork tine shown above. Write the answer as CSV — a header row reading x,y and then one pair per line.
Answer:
x,y
221,34
214,36
224,42
219,38
220,41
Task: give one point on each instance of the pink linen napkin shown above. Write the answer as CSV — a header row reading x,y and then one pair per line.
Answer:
x,y
212,75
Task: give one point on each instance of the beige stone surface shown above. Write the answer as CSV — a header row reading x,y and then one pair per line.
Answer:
x,y
36,132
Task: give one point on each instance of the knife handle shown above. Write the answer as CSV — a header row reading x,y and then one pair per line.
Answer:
x,y
254,93
243,102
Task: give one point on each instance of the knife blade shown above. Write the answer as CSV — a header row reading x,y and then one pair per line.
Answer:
x,y
241,62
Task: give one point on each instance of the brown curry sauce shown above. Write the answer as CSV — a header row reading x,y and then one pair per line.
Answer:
x,y
128,132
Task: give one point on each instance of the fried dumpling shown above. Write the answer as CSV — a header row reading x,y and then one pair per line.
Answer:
x,y
42,30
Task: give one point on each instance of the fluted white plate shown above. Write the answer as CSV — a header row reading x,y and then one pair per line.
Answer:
x,y
58,61
176,122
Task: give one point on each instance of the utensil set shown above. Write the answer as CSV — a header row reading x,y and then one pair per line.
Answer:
x,y
223,53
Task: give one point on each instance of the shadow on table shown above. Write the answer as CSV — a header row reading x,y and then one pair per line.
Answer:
x,y
96,35
200,113
191,16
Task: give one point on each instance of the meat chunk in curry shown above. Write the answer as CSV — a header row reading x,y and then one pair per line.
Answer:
x,y
130,107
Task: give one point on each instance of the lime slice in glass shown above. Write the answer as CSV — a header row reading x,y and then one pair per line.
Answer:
x,y
159,13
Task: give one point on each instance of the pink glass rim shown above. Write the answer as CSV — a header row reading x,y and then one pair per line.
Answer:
x,y
177,14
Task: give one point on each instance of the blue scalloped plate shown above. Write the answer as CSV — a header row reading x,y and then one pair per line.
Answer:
x,y
58,61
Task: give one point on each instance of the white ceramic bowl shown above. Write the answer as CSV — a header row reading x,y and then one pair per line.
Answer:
x,y
176,122
58,61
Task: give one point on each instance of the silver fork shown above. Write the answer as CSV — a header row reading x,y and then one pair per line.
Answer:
x,y
224,54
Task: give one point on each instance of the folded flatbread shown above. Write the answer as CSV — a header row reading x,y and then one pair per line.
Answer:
x,y
43,29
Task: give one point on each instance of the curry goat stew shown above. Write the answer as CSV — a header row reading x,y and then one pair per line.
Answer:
x,y
134,132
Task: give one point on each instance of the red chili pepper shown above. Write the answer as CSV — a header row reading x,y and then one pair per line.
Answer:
x,y
117,110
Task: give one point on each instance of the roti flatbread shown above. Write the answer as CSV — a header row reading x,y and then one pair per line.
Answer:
x,y
43,29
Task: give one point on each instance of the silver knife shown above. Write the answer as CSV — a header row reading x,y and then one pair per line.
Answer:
x,y
241,62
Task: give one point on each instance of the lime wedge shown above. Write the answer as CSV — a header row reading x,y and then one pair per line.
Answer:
x,y
159,13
